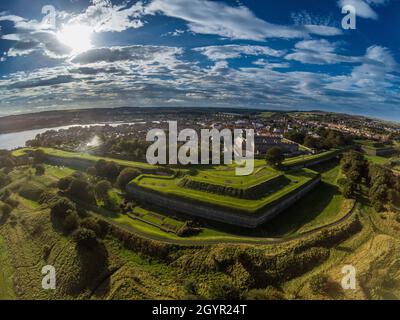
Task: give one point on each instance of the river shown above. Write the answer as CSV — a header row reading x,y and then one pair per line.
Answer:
x,y
14,140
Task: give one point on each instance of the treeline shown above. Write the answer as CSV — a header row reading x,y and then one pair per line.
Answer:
x,y
324,139
255,192
382,184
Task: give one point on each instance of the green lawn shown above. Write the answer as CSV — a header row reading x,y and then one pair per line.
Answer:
x,y
229,178
303,159
377,159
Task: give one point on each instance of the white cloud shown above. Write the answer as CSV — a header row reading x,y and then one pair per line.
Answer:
x,y
216,53
103,16
363,7
218,18
319,52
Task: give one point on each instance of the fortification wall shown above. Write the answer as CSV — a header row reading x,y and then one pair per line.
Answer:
x,y
313,162
210,212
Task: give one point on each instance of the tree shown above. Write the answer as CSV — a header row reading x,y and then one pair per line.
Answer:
x,y
108,170
85,238
319,283
64,183
275,156
38,156
295,136
349,189
71,221
82,190
126,176
61,207
40,170
101,190
92,224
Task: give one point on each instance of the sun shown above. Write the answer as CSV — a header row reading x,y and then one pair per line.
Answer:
x,y
77,37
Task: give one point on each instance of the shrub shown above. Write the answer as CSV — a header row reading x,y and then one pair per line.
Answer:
x,y
82,190
85,238
92,224
223,290
101,190
64,183
71,221
39,156
126,176
319,283
61,207
40,170
275,156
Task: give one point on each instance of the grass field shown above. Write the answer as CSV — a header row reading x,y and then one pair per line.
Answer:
x,y
321,206
304,159
6,273
85,156
230,179
170,186
377,159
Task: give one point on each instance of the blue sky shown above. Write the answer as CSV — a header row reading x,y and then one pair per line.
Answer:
x,y
285,55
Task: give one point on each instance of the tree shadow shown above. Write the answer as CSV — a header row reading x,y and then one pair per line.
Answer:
x,y
93,270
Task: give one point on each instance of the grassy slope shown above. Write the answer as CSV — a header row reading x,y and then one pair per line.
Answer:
x,y
32,230
321,206
373,251
6,273
67,154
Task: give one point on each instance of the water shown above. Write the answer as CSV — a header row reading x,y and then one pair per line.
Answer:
x,y
10,141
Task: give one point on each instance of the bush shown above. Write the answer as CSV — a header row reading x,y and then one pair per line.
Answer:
x,y
223,290
101,190
38,156
64,183
40,170
275,156
61,207
126,176
85,238
82,190
92,224
71,222
319,283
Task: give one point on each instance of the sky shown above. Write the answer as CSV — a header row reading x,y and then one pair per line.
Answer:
x,y
259,54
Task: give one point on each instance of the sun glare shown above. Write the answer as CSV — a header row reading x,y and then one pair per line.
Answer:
x,y
77,37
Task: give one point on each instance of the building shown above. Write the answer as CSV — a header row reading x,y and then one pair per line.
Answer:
x,y
265,143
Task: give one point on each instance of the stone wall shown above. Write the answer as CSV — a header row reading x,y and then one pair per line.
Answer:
x,y
229,216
